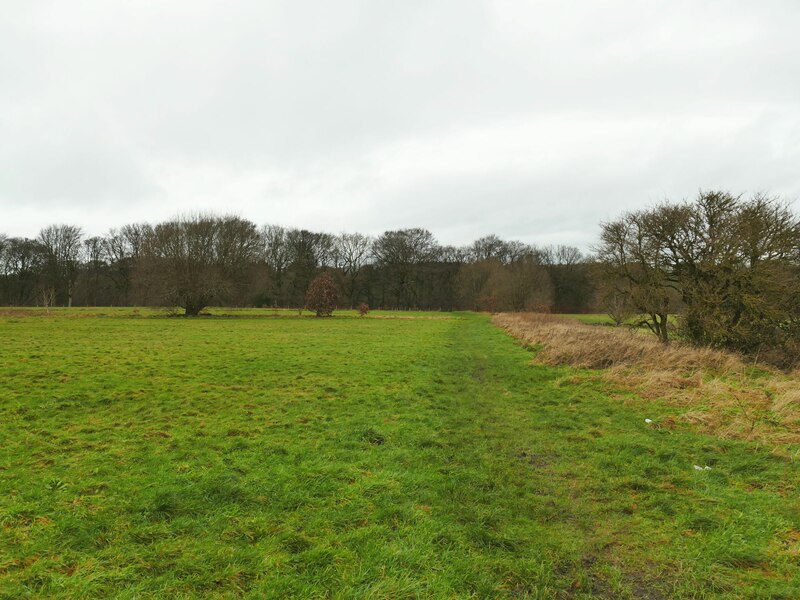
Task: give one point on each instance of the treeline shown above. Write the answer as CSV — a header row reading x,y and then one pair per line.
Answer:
x,y
727,267
198,261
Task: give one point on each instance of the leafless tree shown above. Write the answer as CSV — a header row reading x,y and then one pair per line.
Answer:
x,y
123,247
561,255
351,252
614,298
47,297
94,250
524,285
195,261
635,259
61,246
488,247
308,251
275,254
22,261
516,250
473,279
402,256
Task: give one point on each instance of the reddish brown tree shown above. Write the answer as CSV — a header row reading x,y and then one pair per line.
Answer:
x,y
322,295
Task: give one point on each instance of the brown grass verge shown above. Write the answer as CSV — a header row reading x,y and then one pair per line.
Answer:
x,y
714,390
568,342
13,312
62,313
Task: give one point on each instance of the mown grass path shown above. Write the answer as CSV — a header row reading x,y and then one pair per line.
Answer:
x,y
352,458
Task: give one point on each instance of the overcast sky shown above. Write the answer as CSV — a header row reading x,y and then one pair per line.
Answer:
x,y
534,120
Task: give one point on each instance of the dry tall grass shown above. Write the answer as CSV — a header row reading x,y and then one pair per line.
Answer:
x,y
567,342
713,390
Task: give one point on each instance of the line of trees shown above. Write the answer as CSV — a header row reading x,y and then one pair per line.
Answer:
x,y
196,261
721,271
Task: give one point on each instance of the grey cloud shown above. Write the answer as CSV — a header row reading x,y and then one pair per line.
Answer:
x,y
530,120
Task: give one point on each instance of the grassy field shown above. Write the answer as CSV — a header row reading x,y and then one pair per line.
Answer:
x,y
393,456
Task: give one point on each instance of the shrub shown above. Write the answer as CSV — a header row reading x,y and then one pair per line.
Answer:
x,y
727,265
363,309
322,295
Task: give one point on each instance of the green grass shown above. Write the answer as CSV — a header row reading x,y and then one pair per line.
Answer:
x,y
358,457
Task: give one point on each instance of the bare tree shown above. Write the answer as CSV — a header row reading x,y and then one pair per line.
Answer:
x,y
473,279
123,248
47,297
561,255
402,254
61,245
307,252
635,259
488,247
6,277
4,270
195,261
94,249
615,299
516,250
524,285
568,270
22,262
490,285
351,252
275,254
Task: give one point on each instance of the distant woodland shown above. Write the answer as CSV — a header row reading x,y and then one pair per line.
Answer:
x,y
198,261
720,271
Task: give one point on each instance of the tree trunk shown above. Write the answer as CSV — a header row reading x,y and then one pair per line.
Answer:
x,y
192,310
663,332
